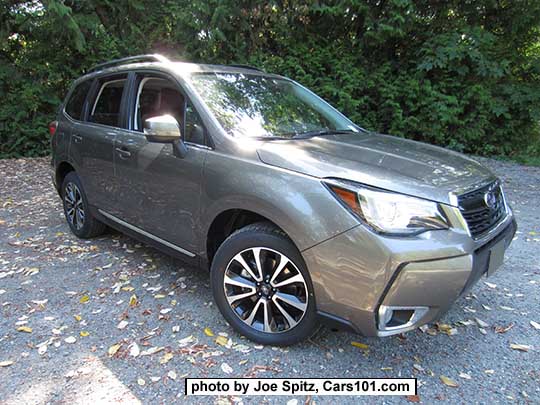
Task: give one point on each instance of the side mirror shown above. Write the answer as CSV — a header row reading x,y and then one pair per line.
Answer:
x,y
162,129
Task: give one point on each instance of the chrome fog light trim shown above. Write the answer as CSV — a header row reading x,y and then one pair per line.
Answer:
x,y
385,316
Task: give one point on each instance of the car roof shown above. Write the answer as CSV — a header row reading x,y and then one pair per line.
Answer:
x,y
161,63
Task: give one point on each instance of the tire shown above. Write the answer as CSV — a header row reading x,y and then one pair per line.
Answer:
x,y
76,209
269,296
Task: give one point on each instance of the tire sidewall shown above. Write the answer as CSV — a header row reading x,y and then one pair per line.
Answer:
x,y
72,177
239,242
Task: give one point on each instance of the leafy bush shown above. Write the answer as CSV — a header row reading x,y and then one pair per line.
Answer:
x,y
461,74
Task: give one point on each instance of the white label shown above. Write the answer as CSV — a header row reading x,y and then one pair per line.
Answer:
x,y
300,386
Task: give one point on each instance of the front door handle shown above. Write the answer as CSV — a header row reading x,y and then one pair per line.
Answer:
x,y
77,138
123,153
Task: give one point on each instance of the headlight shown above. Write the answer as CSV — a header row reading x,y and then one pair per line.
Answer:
x,y
391,213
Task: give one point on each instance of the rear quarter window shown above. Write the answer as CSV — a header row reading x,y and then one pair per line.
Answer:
x,y
106,108
75,103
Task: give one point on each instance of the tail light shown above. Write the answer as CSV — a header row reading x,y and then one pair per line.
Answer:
x,y
53,125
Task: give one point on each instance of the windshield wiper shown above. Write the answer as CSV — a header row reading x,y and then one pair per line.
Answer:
x,y
321,132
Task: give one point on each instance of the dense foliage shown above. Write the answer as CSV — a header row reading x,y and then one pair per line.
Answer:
x,y
460,73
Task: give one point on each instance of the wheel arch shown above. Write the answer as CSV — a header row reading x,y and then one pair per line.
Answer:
x,y
227,221
62,170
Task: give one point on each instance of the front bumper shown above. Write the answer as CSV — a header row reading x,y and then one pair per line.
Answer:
x,y
359,274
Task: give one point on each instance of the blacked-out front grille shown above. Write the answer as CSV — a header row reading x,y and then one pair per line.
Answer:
x,y
482,208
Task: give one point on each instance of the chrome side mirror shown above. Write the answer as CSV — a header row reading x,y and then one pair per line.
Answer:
x,y
162,129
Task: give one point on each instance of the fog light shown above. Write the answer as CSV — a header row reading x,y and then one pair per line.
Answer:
x,y
393,320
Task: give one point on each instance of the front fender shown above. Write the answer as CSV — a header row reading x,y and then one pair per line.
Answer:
x,y
299,204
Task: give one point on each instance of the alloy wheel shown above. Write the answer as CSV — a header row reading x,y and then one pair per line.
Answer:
x,y
74,206
266,290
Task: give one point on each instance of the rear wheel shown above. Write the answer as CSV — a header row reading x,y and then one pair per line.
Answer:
x,y
79,218
262,287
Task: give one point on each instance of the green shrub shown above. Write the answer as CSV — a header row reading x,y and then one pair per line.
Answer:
x,y
461,74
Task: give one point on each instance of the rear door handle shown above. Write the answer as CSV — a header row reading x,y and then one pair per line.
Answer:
x,y
77,138
123,153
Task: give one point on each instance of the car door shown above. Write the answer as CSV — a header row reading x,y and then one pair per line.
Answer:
x,y
92,139
159,192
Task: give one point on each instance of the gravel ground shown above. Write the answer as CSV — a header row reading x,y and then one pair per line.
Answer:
x,y
113,320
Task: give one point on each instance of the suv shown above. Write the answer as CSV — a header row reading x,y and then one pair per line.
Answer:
x,y
299,214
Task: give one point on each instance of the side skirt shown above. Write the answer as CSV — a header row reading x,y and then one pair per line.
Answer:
x,y
141,235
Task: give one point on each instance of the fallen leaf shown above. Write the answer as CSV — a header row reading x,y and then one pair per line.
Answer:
x,y
362,346
222,340
413,398
133,300
78,318
122,324
84,333
166,357
134,349
165,311
504,329
522,348
185,341
443,327
172,375
208,332
84,299
70,339
226,368
242,348
152,350
25,329
6,363
465,376
114,349
448,381
481,323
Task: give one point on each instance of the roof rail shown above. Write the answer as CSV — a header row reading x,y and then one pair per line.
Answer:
x,y
130,59
247,67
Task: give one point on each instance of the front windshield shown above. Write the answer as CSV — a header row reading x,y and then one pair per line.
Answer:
x,y
262,106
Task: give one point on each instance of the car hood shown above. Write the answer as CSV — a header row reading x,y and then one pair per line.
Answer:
x,y
383,161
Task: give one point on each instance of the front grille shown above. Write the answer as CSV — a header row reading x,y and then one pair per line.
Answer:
x,y
482,213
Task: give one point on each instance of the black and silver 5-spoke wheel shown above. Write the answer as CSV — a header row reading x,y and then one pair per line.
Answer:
x,y
74,206
76,209
262,287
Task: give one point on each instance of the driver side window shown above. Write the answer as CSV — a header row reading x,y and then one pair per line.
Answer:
x,y
157,96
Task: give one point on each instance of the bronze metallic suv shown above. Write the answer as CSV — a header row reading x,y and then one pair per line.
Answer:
x,y
299,213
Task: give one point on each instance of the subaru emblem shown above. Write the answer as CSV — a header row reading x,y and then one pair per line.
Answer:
x,y
490,199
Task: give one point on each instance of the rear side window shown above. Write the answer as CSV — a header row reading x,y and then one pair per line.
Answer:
x,y
75,104
106,108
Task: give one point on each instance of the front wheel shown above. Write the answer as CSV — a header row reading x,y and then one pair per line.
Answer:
x,y
262,287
